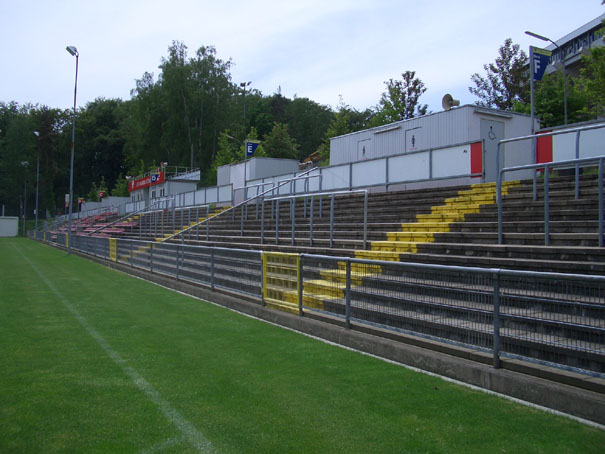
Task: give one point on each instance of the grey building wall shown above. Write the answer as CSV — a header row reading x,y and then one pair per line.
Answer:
x,y
461,125
255,168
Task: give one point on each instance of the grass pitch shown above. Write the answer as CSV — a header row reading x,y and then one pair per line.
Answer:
x,y
96,361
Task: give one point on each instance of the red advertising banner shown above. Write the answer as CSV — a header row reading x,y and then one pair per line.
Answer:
x,y
149,180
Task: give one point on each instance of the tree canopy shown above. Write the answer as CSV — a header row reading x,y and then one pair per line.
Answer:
x,y
506,80
191,112
400,101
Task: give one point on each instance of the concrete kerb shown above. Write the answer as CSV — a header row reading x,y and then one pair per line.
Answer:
x,y
562,391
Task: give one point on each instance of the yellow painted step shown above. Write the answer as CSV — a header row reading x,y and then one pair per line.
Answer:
x,y
281,282
377,255
324,288
339,276
395,246
416,236
426,227
281,306
440,217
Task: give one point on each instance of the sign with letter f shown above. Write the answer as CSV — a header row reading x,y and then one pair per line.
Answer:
x,y
539,60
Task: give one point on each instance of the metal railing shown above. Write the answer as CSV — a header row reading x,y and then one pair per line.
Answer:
x,y
534,138
159,204
319,195
278,184
577,163
551,318
232,209
546,317
231,269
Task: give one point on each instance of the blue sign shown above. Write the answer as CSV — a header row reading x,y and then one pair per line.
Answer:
x,y
539,60
251,148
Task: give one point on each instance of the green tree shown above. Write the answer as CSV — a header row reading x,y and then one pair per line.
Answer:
x,y
121,187
549,101
199,95
99,143
279,144
93,193
401,100
592,80
340,125
506,81
307,124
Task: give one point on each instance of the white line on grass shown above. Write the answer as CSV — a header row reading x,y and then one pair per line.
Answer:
x,y
412,368
188,430
161,446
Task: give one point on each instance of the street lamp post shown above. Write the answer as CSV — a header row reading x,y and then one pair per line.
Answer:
x,y
37,177
74,52
244,85
544,38
24,164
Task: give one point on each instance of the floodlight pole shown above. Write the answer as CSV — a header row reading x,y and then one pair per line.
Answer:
x,y
37,176
544,38
244,85
74,52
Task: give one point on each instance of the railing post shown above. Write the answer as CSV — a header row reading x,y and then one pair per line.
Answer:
x,y
277,221
311,223
534,147
577,165
348,295
299,273
241,225
499,201
208,222
601,202
292,216
320,205
173,215
546,211
151,258
365,220
262,222
177,262
497,321
332,221
212,269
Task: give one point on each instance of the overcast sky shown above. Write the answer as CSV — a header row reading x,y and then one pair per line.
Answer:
x,y
316,49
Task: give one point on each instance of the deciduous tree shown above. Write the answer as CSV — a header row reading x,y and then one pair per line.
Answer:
x,y
401,100
506,80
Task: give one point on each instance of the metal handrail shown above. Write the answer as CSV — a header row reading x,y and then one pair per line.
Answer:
x,y
126,216
241,204
547,166
332,194
287,180
534,138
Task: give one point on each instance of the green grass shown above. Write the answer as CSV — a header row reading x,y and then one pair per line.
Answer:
x,y
244,385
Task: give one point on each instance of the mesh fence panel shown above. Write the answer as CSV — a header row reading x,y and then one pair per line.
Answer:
x,y
560,320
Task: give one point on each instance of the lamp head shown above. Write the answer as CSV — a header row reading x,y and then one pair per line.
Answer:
x,y
73,51
535,35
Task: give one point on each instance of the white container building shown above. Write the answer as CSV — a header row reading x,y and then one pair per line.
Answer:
x,y
442,145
